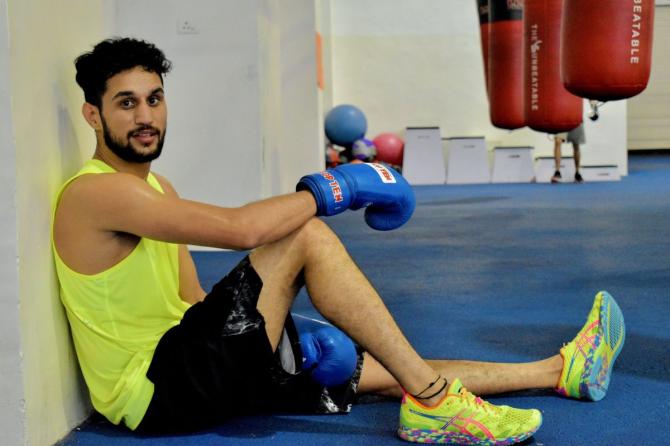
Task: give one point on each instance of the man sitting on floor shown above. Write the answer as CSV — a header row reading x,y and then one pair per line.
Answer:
x,y
159,354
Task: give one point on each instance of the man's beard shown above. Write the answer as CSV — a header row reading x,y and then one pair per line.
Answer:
x,y
126,151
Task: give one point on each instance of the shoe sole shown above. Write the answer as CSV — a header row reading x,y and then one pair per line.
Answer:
x,y
596,381
458,439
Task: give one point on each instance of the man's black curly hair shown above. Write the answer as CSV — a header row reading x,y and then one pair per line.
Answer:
x,y
113,56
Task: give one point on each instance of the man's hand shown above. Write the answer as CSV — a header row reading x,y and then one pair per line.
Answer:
x,y
386,195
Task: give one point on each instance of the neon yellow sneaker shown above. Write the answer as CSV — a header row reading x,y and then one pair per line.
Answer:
x,y
588,359
462,418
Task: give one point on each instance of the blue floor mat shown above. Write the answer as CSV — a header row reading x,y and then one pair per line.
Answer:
x,y
498,273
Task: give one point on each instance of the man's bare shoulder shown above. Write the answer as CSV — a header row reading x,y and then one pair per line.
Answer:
x,y
100,201
91,189
84,233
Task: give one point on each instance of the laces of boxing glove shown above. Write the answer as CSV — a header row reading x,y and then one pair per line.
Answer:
x,y
444,385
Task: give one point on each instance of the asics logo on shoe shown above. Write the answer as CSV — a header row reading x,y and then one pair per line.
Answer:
x,y
451,421
447,420
585,344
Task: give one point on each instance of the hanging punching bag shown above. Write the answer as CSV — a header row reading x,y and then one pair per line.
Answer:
x,y
549,107
606,47
506,63
483,10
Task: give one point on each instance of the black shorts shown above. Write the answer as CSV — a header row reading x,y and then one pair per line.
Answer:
x,y
218,363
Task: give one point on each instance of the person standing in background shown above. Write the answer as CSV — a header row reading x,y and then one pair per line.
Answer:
x,y
575,136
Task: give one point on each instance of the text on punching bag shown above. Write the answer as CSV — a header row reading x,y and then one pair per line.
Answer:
x,y
534,75
636,31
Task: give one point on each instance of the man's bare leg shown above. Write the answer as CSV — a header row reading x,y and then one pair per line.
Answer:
x,y
344,296
557,153
577,155
481,378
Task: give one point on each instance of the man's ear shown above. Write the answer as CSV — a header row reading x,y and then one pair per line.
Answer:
x,y
92,115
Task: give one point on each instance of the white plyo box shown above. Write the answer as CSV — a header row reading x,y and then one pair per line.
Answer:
x,y
545,167
513,165
609,172
423,157
467,162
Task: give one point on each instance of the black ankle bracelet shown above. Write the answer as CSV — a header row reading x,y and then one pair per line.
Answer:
x,y
431,385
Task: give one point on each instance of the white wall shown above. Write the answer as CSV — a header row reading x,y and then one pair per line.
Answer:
x,y
212,149
649,112
300,152
290,116
12,405
242,95
323,26
419,63
41,130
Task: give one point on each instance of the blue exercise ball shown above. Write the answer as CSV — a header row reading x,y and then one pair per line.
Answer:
x,y
345,124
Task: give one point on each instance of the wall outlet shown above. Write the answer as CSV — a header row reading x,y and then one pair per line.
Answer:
x,y
187,27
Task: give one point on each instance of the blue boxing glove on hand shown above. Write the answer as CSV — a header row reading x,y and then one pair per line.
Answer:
x,y
386,195
328,354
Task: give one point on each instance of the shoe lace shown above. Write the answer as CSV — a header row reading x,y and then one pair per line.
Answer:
x,y
477,402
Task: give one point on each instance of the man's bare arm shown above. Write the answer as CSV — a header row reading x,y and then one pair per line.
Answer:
x,y
190,289
121,202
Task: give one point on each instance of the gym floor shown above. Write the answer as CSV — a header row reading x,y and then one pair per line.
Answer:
x,y
498,273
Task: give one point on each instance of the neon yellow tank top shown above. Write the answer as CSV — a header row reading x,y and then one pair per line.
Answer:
x,y
118,316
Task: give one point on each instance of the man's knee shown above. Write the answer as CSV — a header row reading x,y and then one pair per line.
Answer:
x,y
316,233
316,227
295,245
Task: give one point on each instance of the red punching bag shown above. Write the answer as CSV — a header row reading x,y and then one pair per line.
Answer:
x,y
483,10
549,106
506,63
606,47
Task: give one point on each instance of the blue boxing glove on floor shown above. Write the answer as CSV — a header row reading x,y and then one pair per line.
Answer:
x,y
386,195
328,354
